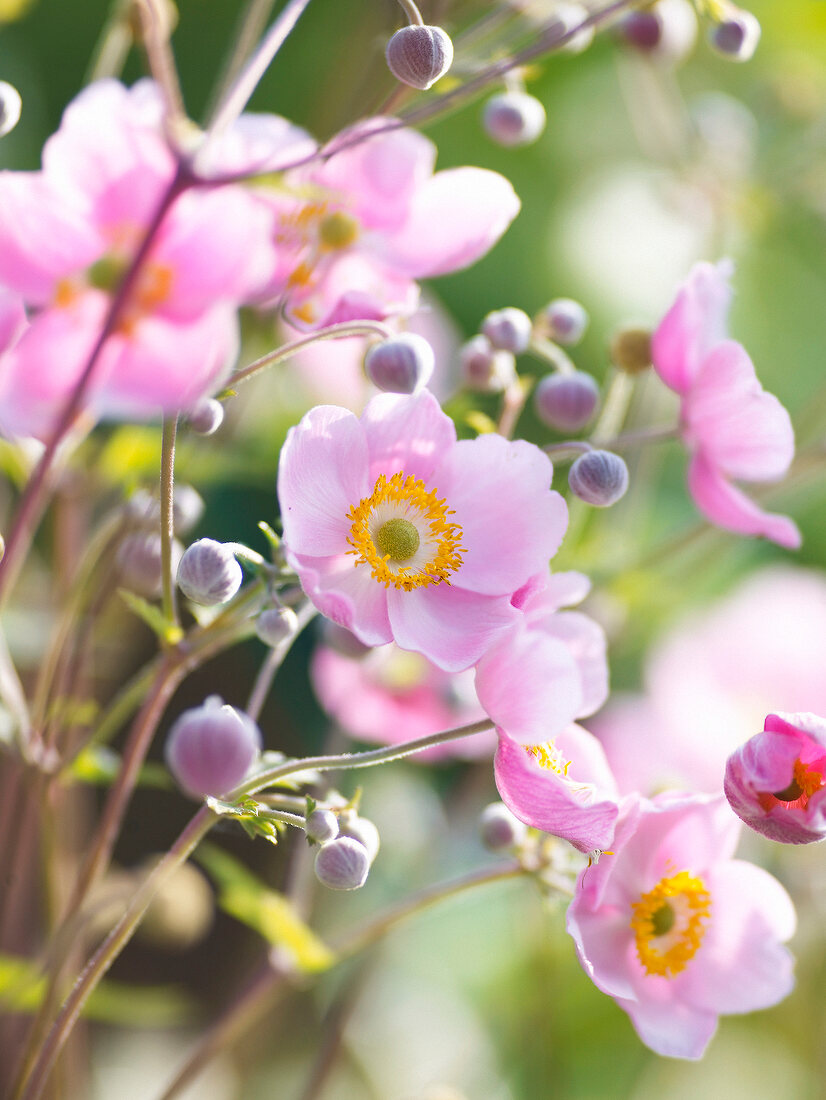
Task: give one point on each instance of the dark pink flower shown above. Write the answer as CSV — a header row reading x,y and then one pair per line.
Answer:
x,y
776,782
733,429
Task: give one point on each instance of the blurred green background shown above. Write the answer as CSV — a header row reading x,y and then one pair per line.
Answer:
x,y
484,999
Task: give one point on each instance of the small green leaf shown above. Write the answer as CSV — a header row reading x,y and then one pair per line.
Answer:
x,y
99,766
167,631
269,913
272,538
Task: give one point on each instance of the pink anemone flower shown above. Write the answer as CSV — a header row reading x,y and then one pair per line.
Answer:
x,y
776,782
67,236
675,930
355,230
733,429
400,533
563,787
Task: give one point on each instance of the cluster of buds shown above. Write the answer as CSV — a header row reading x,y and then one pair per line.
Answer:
x,y
348,844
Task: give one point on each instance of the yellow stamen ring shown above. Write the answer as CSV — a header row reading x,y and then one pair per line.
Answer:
x,y
547,755
669,923
402,532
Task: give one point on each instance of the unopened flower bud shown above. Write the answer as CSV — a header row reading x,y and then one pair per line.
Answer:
x,y
567,18
207,416
210,748
484,368
599,478
208,573
362,830
140,564
342,864
499,829
275,625
513,118
668,30
321,826
419,55
566,402
566,320
508,329
187,508
631,350
736,37
401,364
10,106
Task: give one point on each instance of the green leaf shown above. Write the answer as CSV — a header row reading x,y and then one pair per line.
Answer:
x,y
22,988
246,813
269,913
99,765
167,631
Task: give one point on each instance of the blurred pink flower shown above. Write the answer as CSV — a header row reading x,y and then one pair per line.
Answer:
x,y
775,782
390,695
563,787
67,235
675,930
710,682
355,230
733,429
401,533
550,668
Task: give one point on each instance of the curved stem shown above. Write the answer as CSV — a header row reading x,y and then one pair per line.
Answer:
x,y
34,495
272,663
568,449
641,438
414,16
552,353
169,603
354,759
36,1072
333,332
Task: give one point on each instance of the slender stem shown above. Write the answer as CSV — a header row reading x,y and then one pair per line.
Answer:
x,y
298,820
414,16
640,438
552,353
615,408
239,94
250,28
513,402
355,759
112,47
155,29
169,603
34,496
272,663
35,1074
333,332
568,449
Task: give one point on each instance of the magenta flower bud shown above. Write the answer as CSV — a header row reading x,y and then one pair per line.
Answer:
x,y
776,782
187,508
566,320
484,368
599,478
513,118
642,29
667,31
208,573
499,829
210,748
10,107
206,417
342,864
401,364
362,830
736,37
419,55
566,402
321,826
508,329
140,565
275,625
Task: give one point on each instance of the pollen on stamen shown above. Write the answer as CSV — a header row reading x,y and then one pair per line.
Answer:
x,y
399,559
669,923
547,755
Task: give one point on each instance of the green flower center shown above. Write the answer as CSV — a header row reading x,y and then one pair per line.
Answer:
x,y
662,920
338,230
398,538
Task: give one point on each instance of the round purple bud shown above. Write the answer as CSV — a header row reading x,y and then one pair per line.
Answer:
x,y
362,830
187,508
321,826
736,37
208,573
210,748
668,31
513,118
342,864
508,329
10,107
499,829
599,478
566,402
484,368
206,417
140,563
401,364
566,320
275,625
419,55
642,29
